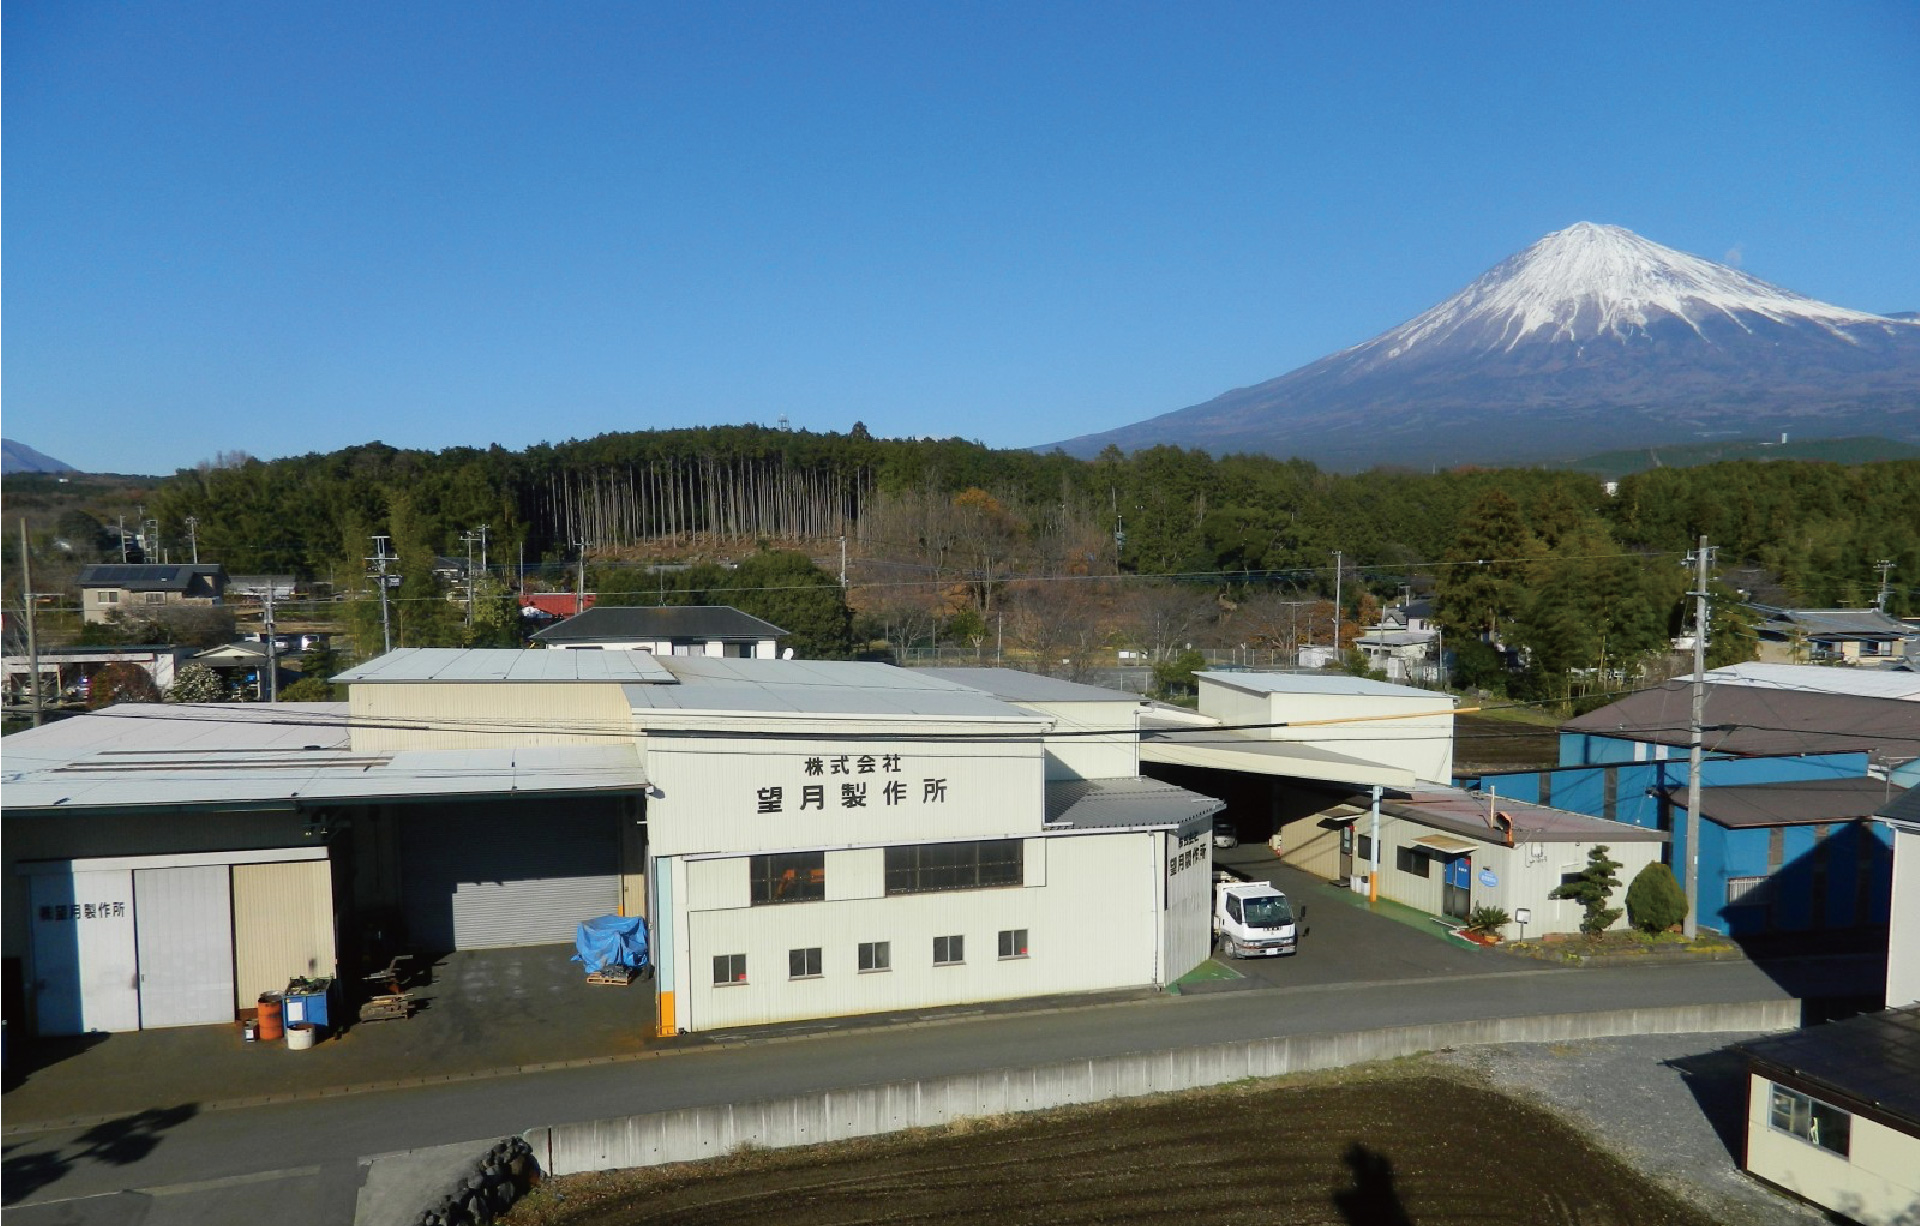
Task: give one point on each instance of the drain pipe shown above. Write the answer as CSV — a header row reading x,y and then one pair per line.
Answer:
x,y
1373,876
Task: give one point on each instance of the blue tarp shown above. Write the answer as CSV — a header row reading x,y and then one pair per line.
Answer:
x,y
611,940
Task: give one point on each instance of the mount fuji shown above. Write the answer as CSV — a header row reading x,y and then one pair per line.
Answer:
x,y
1591,339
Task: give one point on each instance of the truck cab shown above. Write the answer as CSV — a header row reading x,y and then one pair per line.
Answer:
x,y
1252,919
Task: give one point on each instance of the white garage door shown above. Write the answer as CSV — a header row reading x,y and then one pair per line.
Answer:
x,y
487,879
84,965
184,922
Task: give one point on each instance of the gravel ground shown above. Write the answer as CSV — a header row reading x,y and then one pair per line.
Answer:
x,y
1671,1106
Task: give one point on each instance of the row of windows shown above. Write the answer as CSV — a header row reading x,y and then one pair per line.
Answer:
x,y
920,868
810,962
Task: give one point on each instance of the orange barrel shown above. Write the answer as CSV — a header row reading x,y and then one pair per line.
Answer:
x,y
269,1021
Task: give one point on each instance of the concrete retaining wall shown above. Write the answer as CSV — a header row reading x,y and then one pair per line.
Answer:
x,y
709,1132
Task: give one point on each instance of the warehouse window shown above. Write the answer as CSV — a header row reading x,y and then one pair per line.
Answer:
x,y
1013,942
949,951
795,877
1413,860
921,868
803,963
876,955
729,968
1811,1120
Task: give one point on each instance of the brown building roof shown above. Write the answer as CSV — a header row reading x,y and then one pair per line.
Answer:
x,y
1804,802
1749,721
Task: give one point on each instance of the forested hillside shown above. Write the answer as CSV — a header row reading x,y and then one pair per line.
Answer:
x,y
945,535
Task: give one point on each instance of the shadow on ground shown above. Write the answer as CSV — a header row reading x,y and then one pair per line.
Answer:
x,y
118,1142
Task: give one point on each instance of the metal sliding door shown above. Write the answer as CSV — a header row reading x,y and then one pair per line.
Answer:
x,y
184,925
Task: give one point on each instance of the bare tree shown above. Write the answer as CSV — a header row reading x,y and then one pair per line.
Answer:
x,y
1163,618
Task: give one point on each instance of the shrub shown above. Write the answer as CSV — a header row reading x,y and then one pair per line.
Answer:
x,y
1489,920
307,689
197,683
1655,901
1591,887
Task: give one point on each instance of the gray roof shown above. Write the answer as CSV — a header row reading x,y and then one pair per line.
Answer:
x,y
1753,721
284,756
1801,802
1324,683
461,664
1873,1058
1823,679
1186,744
616,623
1014,685
1904,808
829,688
1107,804
1464,812
1836,623
153,577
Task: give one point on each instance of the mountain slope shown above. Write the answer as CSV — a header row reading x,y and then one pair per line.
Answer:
x,y
1591,338
20,458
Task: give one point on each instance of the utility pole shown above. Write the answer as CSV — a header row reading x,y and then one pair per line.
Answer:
x,y
467,539
1700,561
1885,567
193,537
122,521
273,649
379,560
33,642
580,584
1336,605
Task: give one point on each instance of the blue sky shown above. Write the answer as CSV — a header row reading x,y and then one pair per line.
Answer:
x,y
280,229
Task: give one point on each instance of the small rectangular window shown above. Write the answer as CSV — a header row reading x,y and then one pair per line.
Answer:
x,y
156,598
1746,891
1412,860
796,877
1013,942
1366,848
729,968
1811,1120
803,963
109,597
876,955
949,951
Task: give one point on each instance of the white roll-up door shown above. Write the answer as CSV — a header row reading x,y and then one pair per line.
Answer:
x,y
489,878
85,969
184,925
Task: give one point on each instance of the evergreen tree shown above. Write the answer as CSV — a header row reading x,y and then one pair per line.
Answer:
x,y
1592,887
1655,901
1483,584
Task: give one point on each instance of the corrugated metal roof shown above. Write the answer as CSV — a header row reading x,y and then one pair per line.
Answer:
x,y
1905,807
1108,804
1800,802
1873,1058
146,577
1837,623
620,623
817,687
1014,685
217,755
1897,684
1756,721
1325,683
457,664
1464,812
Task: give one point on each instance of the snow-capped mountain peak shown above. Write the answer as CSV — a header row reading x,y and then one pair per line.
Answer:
x,y
1591,281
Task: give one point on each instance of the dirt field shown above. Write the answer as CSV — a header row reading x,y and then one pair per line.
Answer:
x,y
1406,1150
1485,743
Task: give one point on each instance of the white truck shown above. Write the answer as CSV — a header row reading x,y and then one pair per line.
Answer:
x,y
1252,919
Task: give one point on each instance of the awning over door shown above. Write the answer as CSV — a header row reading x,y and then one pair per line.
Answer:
x,y
1445,844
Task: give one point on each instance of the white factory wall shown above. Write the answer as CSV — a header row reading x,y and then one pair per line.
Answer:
x,y
486,714
1091,908
1423,744
1232,706
707,793
1903,938
1091,757
1187,935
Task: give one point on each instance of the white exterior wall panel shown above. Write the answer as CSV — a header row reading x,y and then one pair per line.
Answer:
x,y
486,715
1186,938
1422,744
1903,937
1095,925
708,794
1878,1182
1092,757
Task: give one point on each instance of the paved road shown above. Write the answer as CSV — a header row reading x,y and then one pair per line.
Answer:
x,y
246,1164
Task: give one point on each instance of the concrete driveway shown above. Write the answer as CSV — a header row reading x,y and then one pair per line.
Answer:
x,y
1345,942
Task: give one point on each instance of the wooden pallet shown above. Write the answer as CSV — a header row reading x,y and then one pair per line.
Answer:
x,y
619,976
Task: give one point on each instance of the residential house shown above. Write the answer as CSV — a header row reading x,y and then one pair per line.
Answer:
x,y
131,589
667,630
1838,636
